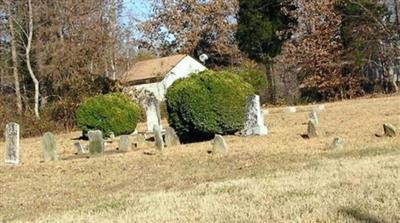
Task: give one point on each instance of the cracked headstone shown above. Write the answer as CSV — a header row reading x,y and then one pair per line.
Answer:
x,y
254,120
79,148
12,144
96,143
171,138
219,145
290,110
390,130
124,143
314,116
312,129
159,143
337,144
49,147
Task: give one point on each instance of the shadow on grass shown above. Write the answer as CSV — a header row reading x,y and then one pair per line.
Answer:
x,y
360,216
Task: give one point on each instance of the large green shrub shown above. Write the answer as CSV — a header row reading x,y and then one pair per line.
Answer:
x,y
206,104
108,113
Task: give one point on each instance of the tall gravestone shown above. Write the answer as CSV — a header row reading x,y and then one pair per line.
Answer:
x,y
49,147
96,143
254,120
153,116
158,138
312,129
12,144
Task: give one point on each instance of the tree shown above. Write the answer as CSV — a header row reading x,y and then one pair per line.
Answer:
x,y
261,32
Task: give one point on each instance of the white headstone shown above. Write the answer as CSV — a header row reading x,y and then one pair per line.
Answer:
x,y
219,145
12,144
153,117
254,120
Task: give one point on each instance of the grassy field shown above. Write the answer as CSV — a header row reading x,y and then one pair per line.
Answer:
x,y
277,178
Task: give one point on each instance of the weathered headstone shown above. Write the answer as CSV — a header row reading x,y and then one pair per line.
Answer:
x,y
314,116
171,138
312,129
158,138
49,147
124,143
290,110
390,130
96,143
79,148
153,116
254,120
337,144
12,144
219,145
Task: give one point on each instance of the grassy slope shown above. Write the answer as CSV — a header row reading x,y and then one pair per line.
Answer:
x,y
281,177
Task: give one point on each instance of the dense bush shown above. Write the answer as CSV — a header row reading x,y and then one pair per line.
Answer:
x,y
206,104
108,113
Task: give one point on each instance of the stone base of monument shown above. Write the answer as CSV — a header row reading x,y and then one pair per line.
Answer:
x,y
256,131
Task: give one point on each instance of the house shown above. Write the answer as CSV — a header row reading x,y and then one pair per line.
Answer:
x,y
157,75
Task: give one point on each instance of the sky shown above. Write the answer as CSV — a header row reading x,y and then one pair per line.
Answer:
x,y
139,8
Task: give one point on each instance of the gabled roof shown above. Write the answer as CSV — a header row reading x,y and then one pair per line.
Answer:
x,y
151,69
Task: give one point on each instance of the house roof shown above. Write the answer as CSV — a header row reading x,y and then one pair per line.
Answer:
x,y
150,69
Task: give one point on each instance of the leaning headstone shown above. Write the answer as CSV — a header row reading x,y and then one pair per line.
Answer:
x,y
254,120
171,138
153,116
390,130
124,143
79,148
12,144
49,147
290,110
314,116
219,145
96,142
158,138
337,144
312,129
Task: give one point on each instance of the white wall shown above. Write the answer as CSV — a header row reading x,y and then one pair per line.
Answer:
x,y
184,68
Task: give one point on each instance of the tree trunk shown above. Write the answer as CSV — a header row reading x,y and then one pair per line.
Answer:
x,y
397,11
28,59
14,59
271,81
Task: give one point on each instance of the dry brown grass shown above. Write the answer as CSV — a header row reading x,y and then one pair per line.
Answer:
x,y
281,177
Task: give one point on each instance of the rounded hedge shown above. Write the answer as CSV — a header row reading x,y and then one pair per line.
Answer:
x,y
108,113
207,103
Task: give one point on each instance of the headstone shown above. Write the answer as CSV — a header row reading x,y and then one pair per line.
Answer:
x,y
49,147
312,129
158,138
12,144
290,110
96,143
79,148
124,143
319,108
390,130
337,144
219,145
254,120
314,116
153,116
171,138
139,141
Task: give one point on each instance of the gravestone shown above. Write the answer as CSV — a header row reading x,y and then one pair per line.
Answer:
x,y
314,116
219,145
337,144
49,147
153,116
171,138
124,143
12,144
290,110
158,138
96,143
139,141
254,120
312,129
390,130
79,148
